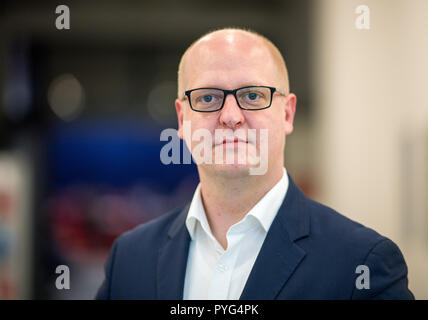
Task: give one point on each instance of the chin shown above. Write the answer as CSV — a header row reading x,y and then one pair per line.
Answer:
x,y
234,164
229,170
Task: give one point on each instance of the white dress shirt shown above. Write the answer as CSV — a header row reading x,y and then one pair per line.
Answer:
x,y
215,273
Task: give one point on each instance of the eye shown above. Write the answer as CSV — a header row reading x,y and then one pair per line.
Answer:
x,y
252,96
207,98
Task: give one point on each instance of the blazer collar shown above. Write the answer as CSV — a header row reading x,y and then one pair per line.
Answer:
x,y
293,214
179,222
172,260
277,260
280,256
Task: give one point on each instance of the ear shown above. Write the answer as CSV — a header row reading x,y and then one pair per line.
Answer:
x,y
290,110
179,109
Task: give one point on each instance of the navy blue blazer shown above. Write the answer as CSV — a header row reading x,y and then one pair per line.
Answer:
x,y
310,252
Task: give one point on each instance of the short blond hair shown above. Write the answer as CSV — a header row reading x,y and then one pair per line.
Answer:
x,y
274,51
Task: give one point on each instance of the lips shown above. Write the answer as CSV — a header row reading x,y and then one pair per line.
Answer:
x,y
231,141
228,137
236,140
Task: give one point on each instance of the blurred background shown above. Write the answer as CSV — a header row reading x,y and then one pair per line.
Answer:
x,y
81,112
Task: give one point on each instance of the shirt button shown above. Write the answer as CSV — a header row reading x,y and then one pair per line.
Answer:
x,y
221,267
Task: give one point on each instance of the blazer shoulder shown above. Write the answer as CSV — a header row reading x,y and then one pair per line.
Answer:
x,y
336,228
351,244
133,257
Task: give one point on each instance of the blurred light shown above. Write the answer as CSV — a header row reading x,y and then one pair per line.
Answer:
x,y
160,103
66,97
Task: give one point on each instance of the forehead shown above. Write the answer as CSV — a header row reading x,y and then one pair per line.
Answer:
x,y
229,61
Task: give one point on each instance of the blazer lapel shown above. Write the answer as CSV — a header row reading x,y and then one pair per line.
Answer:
x,y
279,256
172,260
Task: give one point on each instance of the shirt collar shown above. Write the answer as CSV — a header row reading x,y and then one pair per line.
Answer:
x,y
264,211
197,213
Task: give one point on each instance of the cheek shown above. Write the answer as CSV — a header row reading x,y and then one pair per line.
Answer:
x,y
276,135
195,126
203,121
273,123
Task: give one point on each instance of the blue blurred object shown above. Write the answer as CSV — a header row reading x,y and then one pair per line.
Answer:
x,y
110,152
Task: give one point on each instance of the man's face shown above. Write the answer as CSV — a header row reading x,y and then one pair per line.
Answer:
x,y
229,61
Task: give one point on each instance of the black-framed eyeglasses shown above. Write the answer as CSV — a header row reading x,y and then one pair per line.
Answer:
x,y
248,98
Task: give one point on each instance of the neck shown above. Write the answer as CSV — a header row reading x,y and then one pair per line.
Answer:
x,y
228,199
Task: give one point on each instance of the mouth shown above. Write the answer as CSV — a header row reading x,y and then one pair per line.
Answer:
x,y
234,141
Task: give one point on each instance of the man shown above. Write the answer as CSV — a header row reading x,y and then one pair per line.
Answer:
x,y
248,235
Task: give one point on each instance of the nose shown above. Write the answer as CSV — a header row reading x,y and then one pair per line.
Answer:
x,y
231,115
